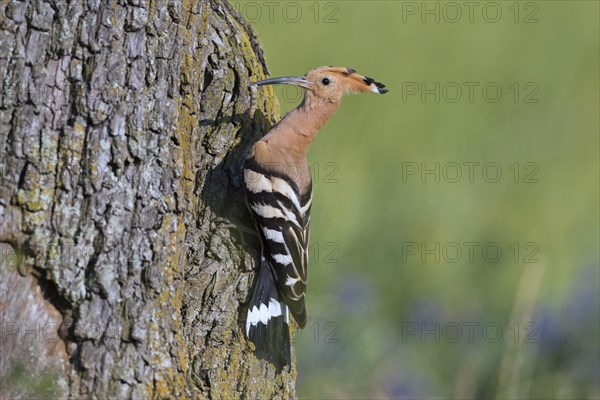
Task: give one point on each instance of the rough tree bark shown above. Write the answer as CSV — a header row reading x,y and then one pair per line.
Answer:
x,y
123,129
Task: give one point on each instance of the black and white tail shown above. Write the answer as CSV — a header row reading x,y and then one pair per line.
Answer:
x,y
267,322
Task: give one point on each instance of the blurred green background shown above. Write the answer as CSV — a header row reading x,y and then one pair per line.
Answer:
x,y
398,305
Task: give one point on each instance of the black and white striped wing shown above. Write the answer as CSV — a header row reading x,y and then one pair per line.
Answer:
x,y
282,217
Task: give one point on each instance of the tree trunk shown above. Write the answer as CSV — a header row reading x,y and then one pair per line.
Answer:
x,y
124,126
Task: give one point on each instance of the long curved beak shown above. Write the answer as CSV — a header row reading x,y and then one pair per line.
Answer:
x,y
285,80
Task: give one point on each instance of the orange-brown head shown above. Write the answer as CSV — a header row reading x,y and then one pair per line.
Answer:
x,y
329,84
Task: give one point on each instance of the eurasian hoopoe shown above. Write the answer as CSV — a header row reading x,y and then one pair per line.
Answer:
x,y
279,196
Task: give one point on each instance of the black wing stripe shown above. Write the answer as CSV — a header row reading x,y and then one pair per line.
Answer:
x,y
276,199
271,223
306,197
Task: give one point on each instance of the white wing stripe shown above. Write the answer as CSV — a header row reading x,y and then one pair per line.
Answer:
x,y
265,313
283,259
267,211
273,235
257,182
291,281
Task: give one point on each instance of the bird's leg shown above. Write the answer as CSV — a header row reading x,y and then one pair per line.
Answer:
x,y
223,223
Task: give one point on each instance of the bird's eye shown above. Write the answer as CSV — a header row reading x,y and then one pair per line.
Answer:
x,y
325,81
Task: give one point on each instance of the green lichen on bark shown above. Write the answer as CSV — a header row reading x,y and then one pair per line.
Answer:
x,y
123,130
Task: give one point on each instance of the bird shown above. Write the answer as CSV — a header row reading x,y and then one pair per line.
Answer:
x,y
278,192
